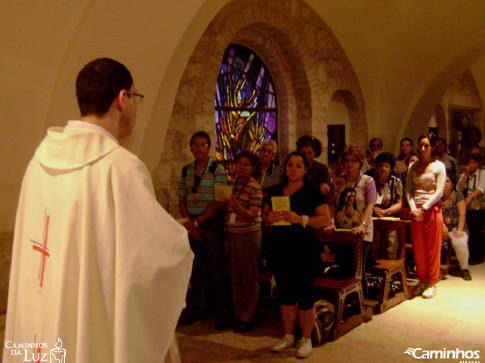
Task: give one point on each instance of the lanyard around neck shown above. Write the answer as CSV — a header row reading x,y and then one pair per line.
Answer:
x,y
356,182
242,190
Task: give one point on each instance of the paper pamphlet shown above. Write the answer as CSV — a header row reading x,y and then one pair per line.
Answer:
x,y
281,204
222,192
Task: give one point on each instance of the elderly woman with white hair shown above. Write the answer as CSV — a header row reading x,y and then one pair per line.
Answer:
x,y
267,173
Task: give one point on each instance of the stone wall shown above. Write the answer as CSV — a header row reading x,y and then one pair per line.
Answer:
x,y
307,64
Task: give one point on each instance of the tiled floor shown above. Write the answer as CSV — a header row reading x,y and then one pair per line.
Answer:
x,y
454,319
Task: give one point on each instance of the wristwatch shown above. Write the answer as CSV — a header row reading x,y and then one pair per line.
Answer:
x,y
196,225
365,224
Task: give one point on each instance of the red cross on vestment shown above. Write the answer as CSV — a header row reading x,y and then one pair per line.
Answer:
x,y
43,250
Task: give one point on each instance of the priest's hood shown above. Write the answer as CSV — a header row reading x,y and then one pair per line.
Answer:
x,y
74,146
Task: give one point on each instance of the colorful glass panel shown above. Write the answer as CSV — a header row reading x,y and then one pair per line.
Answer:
x,y
245,104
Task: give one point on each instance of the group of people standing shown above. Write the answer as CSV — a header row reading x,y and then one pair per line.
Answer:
x,y
236,224
109,266
255,215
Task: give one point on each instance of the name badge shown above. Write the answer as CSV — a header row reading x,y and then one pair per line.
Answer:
x,y
232,218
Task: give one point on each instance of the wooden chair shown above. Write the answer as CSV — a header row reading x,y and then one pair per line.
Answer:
x,y
392,270
344,287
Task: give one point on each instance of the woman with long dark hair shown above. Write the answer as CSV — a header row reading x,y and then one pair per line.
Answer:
x,y
425,184
295,249
406,151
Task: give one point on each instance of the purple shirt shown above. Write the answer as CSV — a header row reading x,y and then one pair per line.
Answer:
x,y
365,188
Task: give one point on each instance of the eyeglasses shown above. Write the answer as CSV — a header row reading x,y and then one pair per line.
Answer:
x,y
199,146
196,145
138,96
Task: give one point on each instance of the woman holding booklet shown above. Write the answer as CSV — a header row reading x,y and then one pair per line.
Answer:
x,y
243,237
294,208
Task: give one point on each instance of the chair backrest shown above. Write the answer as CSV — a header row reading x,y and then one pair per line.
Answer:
x,y
398,225
345,238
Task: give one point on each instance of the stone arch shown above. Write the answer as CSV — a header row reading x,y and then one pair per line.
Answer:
x,y
343,109
431,91
354,117
307,65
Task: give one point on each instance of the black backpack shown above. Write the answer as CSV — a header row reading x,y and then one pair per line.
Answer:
x,y
324,321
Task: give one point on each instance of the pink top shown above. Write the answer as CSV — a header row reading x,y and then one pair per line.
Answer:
x,y
426,189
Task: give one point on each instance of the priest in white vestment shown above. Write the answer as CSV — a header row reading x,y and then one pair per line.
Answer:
x,y
100,270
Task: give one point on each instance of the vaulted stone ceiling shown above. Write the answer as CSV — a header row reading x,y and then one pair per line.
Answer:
x,y
405,53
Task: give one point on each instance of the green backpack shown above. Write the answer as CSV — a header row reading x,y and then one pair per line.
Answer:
x,y
324,321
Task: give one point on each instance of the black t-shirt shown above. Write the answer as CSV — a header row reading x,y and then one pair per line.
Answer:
x,y
293,248
303,202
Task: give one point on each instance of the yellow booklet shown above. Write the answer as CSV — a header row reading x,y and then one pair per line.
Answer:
x,y
222,192
281,204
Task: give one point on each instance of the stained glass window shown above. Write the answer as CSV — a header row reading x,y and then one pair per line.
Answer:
x,y
245,104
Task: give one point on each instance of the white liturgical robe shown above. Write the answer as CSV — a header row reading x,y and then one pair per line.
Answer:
x,y
99,270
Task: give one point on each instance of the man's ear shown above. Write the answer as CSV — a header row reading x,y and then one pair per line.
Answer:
x,y
121,100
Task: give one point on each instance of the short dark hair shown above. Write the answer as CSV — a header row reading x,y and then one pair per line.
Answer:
x,y
202,134
308,140
99,83
444,141
305,161
452,176
248,155
386,157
